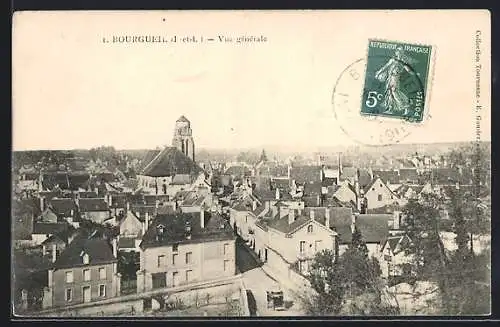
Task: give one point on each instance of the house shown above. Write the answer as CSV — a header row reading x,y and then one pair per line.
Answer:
x,y
85,271
388,176
394,260
95,209
377,194
294,239
374,229
64,208
345,192
409,175
44,230
241,218
182,248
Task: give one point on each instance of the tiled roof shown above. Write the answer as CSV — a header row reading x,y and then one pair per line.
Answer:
x,y
259,210
170,161
311,200
50,228
87,194
166,210
408,174
237,171
264,194
98,250
328,181
390,176
365,178
174,229
148,157
374,228
445,175
92,205
51,180
142,209
77,181
348,173
126,243
340,220
150,199
306,174
283,225
312,188
63,206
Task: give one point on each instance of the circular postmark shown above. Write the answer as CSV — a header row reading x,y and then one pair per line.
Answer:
x,y
376,111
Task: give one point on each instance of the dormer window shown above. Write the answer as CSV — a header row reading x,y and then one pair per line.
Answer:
x,y
310,229
85,258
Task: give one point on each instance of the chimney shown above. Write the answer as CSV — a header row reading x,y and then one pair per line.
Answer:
x,y
50,278
115,248
396,220
42,204
72,213
157,203
110,200
327,217
54,252
277,194
128,206
144,228
202,219
147,219
254,205
289,170
340,164
353,223
311,214
291,216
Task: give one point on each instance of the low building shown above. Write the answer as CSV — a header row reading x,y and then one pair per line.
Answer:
x,y
181,248
85,271
95,209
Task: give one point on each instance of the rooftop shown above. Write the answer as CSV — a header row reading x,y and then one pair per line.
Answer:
x,y
171,228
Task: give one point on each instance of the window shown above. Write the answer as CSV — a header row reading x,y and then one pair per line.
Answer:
x,y
302,246
226,248
226,265
380,185
175,278
85,259
246,219
69,295
161,261
86,275
174,258
310,229
69,277
102,290
175,247
317,245
189,257
102,273
380,197
189,275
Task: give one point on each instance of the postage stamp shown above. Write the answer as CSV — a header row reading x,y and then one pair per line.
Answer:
x,y
396,80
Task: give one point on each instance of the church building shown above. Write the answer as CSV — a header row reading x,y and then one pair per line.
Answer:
x,y
173,168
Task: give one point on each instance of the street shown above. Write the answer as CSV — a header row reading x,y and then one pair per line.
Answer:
x,y
257,282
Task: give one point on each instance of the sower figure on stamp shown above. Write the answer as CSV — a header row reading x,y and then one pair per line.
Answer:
x,y
394,98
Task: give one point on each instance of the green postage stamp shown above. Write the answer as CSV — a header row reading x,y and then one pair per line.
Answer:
x,y
395,80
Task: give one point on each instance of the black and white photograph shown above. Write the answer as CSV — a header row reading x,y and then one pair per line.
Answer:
x,y
300,163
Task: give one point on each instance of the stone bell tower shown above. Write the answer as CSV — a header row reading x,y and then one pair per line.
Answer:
x,y
183,137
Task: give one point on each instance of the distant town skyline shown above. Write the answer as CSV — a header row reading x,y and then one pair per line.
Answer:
x,y
81,93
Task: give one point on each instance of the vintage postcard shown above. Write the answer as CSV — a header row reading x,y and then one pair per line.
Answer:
x,y
251,163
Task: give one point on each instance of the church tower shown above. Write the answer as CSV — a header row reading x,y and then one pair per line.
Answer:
x,y
183,137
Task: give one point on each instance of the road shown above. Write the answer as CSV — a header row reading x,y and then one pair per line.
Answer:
x,y
257,282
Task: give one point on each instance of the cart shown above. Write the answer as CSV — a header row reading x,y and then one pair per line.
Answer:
x,y
275,300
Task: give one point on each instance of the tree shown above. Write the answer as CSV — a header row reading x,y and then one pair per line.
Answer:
x,y
328,282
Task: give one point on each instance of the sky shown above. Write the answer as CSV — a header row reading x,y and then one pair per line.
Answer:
x,y
71,90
